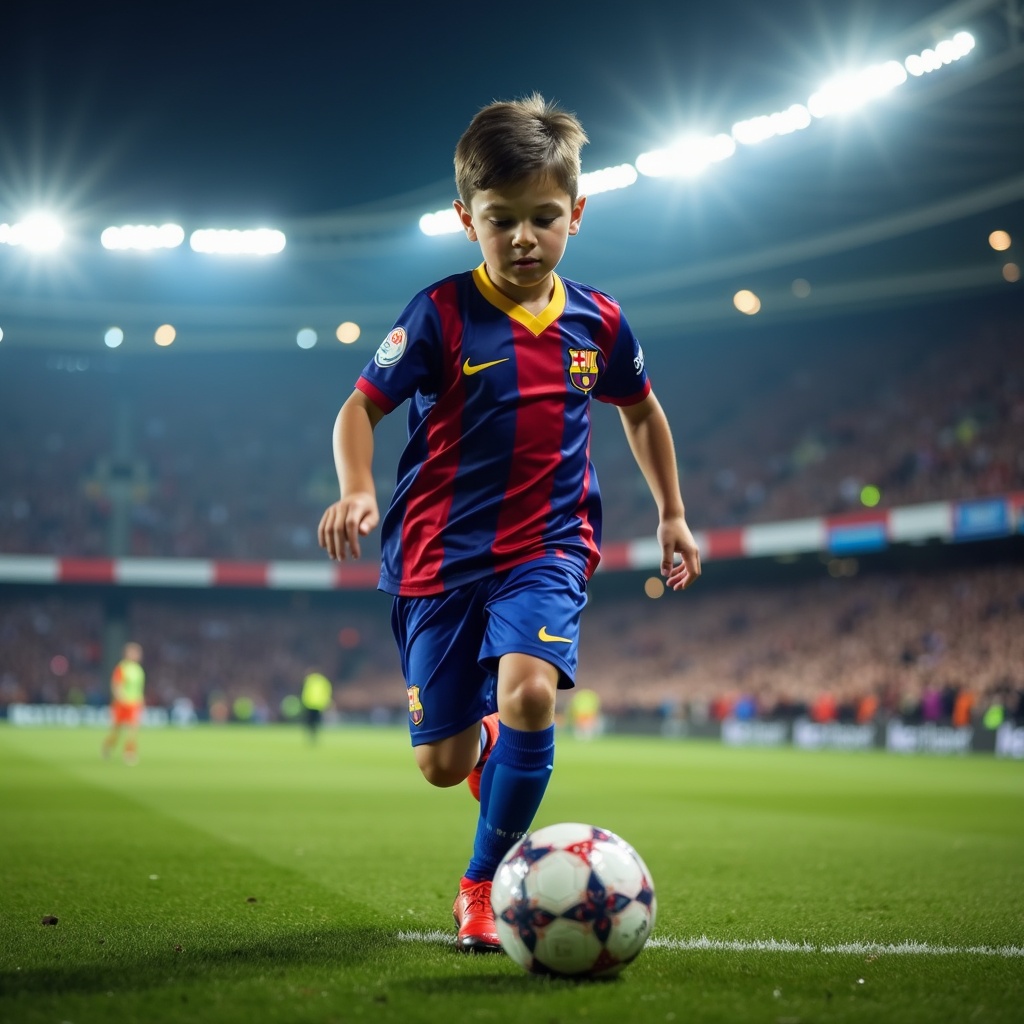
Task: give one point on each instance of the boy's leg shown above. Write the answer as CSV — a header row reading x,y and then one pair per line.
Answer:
x,y
488,737
448,762
517,771
439,643
512,784
532,636
521,628
449,693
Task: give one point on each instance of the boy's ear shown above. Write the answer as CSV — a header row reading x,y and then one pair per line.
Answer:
x,y
577,215
466,219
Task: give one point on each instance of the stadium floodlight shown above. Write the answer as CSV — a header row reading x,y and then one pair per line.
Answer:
x,y
1000,240
441,222
768,126
143,237
607,179
686,158
747,302
233,242
165,335
306,338
113,337
40,232
348,332
944,52
848,92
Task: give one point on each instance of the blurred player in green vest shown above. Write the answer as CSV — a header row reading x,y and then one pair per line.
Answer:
x,y
127,687
585,714
316,699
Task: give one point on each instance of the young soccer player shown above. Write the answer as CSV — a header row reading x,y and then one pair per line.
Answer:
x,y
127,686
495,523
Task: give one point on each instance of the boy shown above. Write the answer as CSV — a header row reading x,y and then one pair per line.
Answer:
x,y
495,523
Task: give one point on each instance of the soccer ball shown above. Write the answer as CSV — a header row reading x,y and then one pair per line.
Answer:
x,y
572,900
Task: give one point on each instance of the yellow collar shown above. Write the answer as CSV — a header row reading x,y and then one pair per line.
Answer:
x,y
534,324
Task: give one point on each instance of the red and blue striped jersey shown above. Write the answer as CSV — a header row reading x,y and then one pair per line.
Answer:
x,y
497,468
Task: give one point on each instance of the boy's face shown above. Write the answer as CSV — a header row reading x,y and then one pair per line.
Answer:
x,y
522,230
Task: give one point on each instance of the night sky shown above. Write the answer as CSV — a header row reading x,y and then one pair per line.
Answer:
x,y
299,108
342,119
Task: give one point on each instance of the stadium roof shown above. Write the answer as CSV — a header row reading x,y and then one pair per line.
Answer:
x,y
336,125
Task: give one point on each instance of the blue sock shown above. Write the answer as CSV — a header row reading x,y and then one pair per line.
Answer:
x,y
511,788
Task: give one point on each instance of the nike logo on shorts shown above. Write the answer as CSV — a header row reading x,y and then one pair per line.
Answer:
x,y
470,370
543,634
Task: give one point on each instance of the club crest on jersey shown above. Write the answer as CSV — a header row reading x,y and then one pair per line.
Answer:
x,y
415,707
583,368
392,348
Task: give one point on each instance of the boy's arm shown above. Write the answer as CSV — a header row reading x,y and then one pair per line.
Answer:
x,y
355,514
650,440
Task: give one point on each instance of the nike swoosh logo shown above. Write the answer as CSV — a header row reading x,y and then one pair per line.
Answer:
x,y
470,370
544,635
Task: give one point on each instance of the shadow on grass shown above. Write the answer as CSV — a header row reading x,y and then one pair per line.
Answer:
x,y
493,983
319,949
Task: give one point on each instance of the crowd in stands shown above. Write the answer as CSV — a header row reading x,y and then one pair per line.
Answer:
x,y
229,457
941,645
923,417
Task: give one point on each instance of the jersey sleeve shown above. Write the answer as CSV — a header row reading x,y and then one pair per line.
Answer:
x,y
408,359
624,381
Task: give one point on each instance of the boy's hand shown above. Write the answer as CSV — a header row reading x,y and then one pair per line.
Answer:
x,y
675,539
344,522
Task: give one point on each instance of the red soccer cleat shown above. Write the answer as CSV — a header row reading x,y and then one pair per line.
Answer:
x,y
475,918
490,723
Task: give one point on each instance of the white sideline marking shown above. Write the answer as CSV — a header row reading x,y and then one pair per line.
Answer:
x,y
775,946
906,948
436,936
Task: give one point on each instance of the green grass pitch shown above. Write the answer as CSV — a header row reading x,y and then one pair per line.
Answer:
x,y
241,874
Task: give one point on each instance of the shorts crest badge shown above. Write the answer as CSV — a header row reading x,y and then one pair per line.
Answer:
x,y
415,707
583,368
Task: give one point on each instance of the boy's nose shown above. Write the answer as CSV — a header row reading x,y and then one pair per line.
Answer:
x,y
523,236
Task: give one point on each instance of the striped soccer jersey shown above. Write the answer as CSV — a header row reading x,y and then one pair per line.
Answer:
x,y
497,468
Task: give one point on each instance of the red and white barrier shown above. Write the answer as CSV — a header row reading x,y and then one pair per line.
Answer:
x,y
847,534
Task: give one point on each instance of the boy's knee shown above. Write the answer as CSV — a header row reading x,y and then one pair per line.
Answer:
x,y
442,776
529,699
442,765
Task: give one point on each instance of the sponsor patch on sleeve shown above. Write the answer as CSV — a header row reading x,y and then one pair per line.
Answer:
x,y
392,348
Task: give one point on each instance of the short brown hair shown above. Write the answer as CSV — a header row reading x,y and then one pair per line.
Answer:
x,y
507,142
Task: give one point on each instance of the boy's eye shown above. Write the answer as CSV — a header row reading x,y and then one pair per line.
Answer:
x,y
503,224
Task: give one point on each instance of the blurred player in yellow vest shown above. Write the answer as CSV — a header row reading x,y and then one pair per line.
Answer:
x,y
127,687
585,714
316,699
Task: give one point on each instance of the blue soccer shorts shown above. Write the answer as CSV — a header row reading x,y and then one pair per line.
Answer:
x,y
450,643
